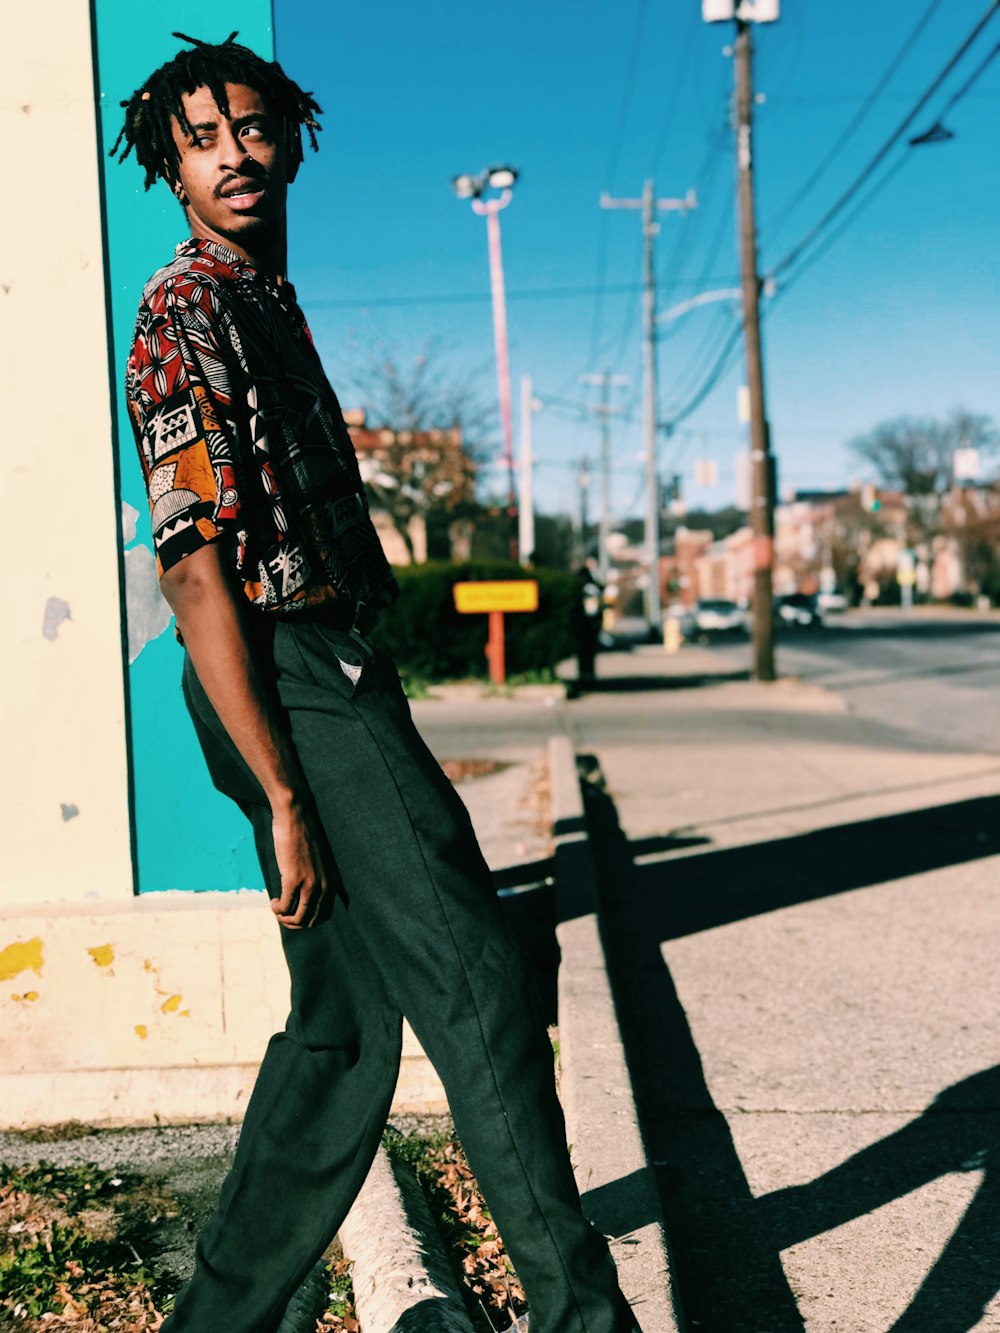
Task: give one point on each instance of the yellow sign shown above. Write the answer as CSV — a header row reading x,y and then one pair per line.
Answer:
x,y
512,595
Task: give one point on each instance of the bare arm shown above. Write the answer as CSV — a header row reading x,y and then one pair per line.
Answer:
x,y
210,621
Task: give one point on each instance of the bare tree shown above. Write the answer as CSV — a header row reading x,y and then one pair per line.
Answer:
x,y
915,455
433,427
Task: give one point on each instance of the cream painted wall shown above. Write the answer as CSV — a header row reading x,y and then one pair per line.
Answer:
x,y
153,1010
64,823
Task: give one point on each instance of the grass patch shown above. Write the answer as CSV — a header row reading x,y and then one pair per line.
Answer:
x,y
75,1253
72,1242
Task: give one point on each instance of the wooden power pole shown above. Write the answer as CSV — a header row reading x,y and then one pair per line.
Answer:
x,y
762,473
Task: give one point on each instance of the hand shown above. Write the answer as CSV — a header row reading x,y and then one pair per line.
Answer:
x,y
298,850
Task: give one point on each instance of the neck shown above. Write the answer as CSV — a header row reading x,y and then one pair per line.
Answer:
x,y
267,250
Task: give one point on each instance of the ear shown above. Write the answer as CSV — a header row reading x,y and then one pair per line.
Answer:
x,y
180,193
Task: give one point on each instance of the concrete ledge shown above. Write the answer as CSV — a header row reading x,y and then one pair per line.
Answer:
x,y
609,1156
402,1280
153,1010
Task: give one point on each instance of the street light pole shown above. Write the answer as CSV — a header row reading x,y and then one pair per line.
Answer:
x,y
526,511
474,188
490,209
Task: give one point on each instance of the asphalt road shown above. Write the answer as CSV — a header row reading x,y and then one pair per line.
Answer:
x,y
936,674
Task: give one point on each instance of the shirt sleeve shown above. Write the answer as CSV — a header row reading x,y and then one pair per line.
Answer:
x,y
180,397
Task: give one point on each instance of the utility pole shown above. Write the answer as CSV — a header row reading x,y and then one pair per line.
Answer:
x,y
761,459
526,508
649,205
583,481
605,411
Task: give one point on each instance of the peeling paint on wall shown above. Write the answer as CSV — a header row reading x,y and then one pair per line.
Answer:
x,y
171,1004
102,954
141,1031
19,957
56,611
129,516
29,997
68,811
147,613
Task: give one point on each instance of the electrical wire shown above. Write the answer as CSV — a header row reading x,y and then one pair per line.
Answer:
x,y
725,356
844,199
835,236
855,123
616,148
965,89
471,298
722,364
676,86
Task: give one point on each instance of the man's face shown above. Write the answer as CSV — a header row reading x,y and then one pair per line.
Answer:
x,y
232,170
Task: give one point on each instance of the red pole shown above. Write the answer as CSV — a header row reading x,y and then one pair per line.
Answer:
x,y
495,649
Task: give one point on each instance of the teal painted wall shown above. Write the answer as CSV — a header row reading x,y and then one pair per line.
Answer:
x,y
187,835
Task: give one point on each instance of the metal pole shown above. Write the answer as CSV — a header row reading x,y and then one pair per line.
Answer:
x,y
584,483
762,463
605,524
526,509
503,363
649,229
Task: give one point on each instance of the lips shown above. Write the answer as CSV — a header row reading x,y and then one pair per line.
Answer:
x,y
243,185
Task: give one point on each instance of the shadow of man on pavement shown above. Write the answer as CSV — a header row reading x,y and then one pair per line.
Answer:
x,y
959,1131
727,1244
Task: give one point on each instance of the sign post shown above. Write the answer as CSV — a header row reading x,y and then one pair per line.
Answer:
x,y
495,599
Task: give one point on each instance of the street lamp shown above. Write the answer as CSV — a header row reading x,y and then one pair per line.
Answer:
x,y
475,188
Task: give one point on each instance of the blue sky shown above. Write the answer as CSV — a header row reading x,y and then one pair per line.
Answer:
x,y
900,316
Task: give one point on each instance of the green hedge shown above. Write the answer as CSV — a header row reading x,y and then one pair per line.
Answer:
x,y
430,640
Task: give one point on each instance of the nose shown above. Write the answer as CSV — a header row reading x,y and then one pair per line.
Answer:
x,y
234,150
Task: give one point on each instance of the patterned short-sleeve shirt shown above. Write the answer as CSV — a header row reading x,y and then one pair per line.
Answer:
x,y
242,440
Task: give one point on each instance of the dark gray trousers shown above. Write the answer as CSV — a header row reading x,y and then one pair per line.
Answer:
x,y
416,931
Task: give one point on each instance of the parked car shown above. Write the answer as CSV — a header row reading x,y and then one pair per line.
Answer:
x,y
832,602
715,615
798,608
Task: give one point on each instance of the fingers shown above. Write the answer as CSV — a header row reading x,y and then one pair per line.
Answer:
x,y
298,906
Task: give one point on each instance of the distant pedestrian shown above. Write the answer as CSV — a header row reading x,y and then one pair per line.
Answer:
x,y
269,559
589,616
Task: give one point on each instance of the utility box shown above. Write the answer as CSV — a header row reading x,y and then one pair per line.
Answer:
x,y
751,11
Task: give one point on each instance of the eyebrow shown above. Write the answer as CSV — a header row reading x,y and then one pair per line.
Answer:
x,y
238,123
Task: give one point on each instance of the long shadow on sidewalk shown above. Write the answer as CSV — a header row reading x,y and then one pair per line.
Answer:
x,y
727,1245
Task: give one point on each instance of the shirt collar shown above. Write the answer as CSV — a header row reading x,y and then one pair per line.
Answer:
x,y
199,245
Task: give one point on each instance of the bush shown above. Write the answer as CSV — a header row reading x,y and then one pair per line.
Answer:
x,y
430,640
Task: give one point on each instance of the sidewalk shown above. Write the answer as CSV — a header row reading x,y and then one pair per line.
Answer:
x,y
799,907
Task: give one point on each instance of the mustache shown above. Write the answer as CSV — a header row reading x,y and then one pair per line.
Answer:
x,y
254,172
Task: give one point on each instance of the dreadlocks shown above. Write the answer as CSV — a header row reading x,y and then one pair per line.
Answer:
x,y
149,110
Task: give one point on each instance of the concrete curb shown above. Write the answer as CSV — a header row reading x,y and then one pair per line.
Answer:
x,y
609,1157
402,1281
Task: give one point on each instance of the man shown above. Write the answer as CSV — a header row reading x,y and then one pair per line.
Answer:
x,y
269,559
589,616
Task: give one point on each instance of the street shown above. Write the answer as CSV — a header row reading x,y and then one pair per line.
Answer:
x,y
930,673
799,883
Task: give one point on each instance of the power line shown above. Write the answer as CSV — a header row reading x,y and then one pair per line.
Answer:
x,y
856,121
835,236
471,298
841,203
616,148
957,97
680,73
